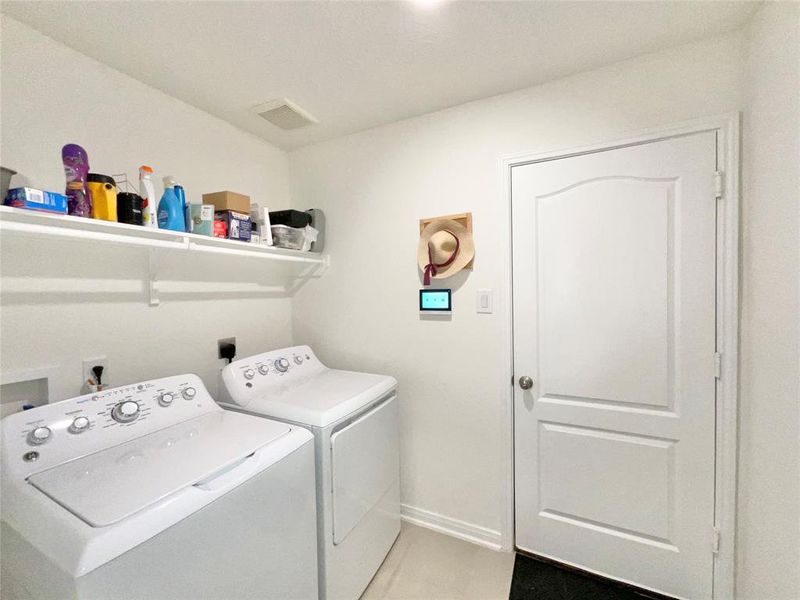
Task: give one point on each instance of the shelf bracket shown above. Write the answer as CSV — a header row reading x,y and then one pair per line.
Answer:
x,y
152,271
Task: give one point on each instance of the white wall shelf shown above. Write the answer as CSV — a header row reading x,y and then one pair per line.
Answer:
x,y
293,264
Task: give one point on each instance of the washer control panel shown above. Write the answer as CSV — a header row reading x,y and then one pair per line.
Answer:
x,y
253,375
53,433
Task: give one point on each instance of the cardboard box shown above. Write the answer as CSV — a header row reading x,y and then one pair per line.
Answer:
x,y
228,201
238,224
33,199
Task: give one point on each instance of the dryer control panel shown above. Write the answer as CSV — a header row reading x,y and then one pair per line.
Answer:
x,y
275,369
54,433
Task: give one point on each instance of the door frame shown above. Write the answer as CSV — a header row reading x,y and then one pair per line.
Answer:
x,y
727,127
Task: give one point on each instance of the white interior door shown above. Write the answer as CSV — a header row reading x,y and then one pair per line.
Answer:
x,y
614,322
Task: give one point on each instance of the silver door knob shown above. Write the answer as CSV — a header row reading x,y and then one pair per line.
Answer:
x,y
525,382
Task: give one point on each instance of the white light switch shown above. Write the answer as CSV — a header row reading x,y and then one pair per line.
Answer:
x,y
484,301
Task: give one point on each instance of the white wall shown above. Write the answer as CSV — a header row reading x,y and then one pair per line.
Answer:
x,y
66,301
375,186
769,467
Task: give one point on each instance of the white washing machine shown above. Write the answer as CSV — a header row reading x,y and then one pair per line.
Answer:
x,y
152,491
354,418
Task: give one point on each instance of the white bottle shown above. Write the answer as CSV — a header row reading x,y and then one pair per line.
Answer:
x,y
148,194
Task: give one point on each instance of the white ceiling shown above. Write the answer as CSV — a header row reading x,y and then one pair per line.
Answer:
x,y
355,65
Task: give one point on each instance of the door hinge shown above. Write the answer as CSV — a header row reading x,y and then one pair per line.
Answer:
x,y
719,184
715,541
717,365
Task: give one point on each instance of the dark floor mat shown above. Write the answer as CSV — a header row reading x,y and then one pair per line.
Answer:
x,y
537,580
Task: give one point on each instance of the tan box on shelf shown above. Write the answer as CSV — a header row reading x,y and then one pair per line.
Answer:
x,y
228,201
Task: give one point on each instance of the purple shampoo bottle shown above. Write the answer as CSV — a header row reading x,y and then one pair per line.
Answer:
x,y
76,167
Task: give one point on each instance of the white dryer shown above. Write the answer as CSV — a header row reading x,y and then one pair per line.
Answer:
x,y
152,491
354,418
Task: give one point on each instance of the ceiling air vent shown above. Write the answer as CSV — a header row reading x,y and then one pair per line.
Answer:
x,y
284,114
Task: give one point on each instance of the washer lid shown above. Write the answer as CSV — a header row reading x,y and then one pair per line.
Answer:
x,y
105,487
323,398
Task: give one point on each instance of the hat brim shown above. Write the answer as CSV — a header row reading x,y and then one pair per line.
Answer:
x,y
466,247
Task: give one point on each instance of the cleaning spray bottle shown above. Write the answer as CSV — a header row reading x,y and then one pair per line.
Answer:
x,y
170,210
148,194
76,169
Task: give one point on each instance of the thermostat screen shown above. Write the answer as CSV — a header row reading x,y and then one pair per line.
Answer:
x,y
435,300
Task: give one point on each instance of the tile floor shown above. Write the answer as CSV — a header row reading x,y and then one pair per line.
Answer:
x,y
425,565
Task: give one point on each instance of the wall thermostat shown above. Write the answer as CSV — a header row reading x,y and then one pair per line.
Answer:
x,y
435,301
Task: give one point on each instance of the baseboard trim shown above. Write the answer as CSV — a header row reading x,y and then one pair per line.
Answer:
x,y
452,527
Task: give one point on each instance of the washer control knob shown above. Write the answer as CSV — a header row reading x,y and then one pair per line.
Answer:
x,y
39,436
166,398
298,360
189,393
249,373
79,425
126,411
282,365
263,369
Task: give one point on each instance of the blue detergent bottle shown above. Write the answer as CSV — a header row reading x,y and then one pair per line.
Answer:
x,y
170,208
187,218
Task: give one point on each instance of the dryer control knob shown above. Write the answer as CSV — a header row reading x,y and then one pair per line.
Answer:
x,y
189,393
282,365
79,425
263,369
166,398
298,360
249,373
125,412
39,436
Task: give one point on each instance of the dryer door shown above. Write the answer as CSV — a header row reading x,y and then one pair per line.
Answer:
x,y
365,463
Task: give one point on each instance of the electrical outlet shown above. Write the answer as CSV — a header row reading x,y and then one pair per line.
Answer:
x,y
231,341
89,364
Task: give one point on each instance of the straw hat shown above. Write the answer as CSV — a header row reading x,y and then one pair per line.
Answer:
x,y
445,247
